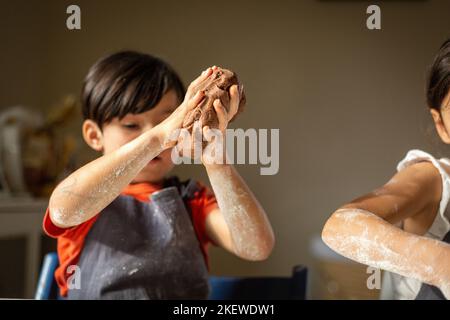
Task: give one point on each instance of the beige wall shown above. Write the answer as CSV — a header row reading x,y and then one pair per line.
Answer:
x,y
349,102
22,51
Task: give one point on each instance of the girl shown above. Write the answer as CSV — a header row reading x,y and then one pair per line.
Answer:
x,y
403,226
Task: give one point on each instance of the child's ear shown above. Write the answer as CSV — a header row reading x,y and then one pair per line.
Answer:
x,y
93,135
440,126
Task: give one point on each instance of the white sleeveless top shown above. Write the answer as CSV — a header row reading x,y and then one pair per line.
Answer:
x,y
396,286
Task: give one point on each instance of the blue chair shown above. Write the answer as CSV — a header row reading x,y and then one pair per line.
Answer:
x,y
46,286
222,288
260,288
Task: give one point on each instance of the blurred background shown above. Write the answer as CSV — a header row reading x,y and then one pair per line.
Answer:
x,y
349,103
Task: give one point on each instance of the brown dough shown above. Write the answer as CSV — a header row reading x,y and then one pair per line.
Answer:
x,y
216,86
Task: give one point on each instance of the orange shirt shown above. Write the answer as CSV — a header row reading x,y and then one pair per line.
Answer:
x,y
71,240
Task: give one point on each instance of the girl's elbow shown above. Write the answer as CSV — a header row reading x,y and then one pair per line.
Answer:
x,y
330,231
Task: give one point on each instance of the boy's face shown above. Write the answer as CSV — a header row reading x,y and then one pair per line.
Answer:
x,y
118,132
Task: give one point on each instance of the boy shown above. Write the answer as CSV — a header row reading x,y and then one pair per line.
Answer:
x,y
132,232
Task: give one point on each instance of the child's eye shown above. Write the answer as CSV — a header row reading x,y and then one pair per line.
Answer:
x,y
130,126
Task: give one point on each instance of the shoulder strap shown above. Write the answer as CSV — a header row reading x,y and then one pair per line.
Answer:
x,y
186,189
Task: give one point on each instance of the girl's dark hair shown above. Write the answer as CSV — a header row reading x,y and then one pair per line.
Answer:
x,y
126,82
438,84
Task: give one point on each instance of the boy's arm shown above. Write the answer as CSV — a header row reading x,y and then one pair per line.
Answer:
x,y
363,230
91,188
240,225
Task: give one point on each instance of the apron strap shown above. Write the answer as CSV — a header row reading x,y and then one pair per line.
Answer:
x,y
187,189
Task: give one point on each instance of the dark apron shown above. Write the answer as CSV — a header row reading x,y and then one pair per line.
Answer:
x,y
139,250
429,292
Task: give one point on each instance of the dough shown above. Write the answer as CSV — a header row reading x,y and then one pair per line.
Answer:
x,y
216,86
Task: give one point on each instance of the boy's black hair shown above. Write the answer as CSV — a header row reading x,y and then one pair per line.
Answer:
x,y
126,82
438,84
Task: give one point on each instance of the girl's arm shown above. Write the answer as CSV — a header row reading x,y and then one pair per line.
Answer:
x,y
364,230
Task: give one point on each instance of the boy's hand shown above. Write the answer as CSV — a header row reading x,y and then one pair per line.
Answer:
x,y
224,114
206,138
169,128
